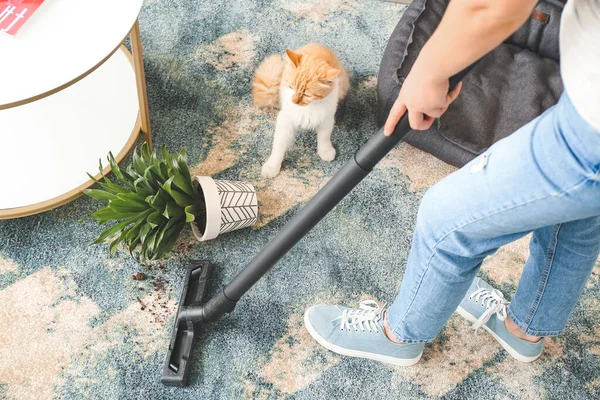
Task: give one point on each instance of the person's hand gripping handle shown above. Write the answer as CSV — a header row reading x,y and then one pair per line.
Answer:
x,y
422,99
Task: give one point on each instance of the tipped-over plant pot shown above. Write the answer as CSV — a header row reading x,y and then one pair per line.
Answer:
x,y
229,206
154,197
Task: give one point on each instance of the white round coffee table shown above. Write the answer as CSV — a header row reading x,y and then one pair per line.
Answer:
x,y
70,93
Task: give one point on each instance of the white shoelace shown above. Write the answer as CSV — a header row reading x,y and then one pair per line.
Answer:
x,y
363,318
494,302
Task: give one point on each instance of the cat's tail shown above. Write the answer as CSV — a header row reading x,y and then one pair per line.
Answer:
x,y
265,87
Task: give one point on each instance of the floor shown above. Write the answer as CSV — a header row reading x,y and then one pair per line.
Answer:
x,y
74,324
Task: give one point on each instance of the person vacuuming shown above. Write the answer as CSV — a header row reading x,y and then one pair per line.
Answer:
x,y
543,179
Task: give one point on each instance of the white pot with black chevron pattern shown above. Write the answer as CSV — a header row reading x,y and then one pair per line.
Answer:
x,y
230,205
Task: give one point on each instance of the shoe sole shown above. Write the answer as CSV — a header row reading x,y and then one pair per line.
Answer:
x,y
355,353
510,350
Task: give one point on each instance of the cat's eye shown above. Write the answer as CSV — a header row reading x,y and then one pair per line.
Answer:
x,y
291,87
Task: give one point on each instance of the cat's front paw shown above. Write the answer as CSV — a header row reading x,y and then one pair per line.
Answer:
x,y
270,170
327,154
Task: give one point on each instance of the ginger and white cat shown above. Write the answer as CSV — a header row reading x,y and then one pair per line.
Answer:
x,y
306,85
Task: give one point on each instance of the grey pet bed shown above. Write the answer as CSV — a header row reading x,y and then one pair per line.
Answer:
x,y
509,87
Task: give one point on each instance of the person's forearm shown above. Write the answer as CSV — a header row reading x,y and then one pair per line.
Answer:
x,y
469,30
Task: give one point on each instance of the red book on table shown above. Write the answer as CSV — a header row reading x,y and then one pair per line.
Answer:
x,y
14,13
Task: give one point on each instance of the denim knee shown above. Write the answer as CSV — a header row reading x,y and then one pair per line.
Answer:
x,y
433,217
446,231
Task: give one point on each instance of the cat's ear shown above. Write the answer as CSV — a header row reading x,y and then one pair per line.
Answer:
x,y
294,57
330,74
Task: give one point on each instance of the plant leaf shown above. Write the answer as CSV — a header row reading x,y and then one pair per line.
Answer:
x,y
169,238
165,153
113,245
113,230
167,185
115,187
133,199
133,244
182,155
191,212
105,214
132,172
159,200
146,153
126,207
108,185
182,182
151,179
182,199
155,219
93,178
101,195
164,170
138,163
142,186
121,175
156,173
144,231
114,167
183,168
150,243
134,231
172,210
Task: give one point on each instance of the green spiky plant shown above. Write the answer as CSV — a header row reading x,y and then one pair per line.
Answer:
x,y
151,201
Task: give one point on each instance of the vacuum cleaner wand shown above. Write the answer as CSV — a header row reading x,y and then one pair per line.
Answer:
x,y
193,310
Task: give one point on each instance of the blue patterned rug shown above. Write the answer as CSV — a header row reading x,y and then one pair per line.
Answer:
x,y
75,325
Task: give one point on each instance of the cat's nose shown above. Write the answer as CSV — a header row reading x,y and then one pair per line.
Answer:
x,y
296,98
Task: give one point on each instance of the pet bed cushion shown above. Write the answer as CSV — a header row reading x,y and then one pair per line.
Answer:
x,y
509,87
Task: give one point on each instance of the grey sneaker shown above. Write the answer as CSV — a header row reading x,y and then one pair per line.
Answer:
x,y
358,332
486,308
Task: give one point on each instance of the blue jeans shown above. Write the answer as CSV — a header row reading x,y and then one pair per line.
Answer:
x,y
545,179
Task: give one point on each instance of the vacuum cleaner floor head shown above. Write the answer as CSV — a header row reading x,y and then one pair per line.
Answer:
x,y
176,366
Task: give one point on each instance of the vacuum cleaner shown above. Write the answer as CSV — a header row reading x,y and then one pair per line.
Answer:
x,y
195,310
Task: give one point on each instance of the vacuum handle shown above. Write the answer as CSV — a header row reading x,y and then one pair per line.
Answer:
x,y
380,145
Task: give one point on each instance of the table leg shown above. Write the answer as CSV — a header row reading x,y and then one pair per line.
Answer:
x,y
140,77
